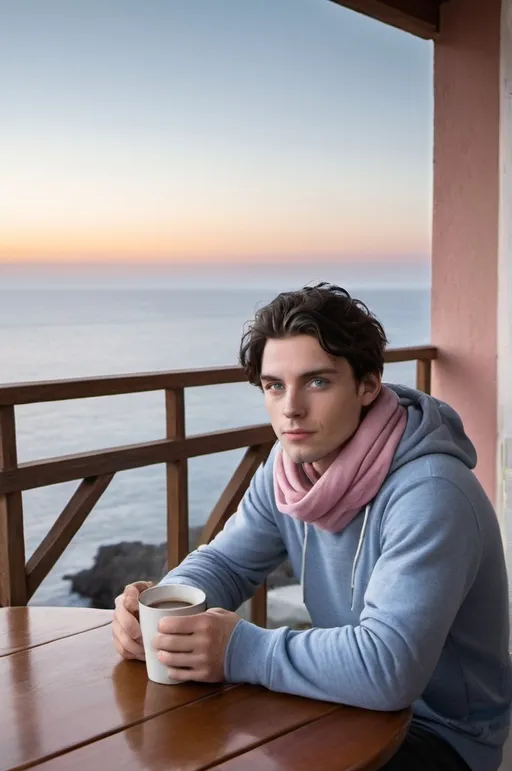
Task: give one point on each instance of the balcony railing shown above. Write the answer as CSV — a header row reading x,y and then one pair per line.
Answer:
x,y
20,579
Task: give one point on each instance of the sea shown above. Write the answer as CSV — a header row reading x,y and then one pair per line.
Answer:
x,y
48,333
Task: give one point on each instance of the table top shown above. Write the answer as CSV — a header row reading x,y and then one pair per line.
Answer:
x,y
69,702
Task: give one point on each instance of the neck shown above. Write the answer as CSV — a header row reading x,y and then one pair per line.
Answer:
x,y
323,464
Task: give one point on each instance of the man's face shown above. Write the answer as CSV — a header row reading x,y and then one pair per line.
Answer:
x,y
313,399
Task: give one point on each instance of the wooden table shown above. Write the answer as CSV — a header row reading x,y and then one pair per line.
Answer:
x,y
68,702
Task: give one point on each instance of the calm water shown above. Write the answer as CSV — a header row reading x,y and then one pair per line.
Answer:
x,y
50,334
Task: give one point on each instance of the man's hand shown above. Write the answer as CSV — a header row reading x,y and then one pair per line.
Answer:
x,y
125,626
194,647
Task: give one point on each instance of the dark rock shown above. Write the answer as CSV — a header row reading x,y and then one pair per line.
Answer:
x,y
117,565
114,567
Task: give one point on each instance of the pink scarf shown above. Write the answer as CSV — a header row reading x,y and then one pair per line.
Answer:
x,y
353,479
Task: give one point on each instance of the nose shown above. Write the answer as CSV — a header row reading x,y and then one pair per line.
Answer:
x,y
293,405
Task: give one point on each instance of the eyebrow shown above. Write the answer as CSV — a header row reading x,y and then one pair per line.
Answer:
x,y
304,375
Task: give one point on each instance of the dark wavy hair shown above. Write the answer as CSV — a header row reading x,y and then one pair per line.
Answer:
x,y
342,325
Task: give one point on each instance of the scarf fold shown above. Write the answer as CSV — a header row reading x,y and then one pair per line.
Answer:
x,y
333,499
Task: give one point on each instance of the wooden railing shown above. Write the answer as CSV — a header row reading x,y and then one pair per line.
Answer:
x,y
19,581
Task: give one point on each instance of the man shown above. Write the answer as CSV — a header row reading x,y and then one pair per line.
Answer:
x,y
370,492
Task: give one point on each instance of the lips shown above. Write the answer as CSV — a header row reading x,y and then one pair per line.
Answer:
x,y
297,434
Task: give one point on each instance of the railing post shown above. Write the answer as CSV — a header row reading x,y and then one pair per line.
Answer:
x,y
423,375
177,482
13,582
259,606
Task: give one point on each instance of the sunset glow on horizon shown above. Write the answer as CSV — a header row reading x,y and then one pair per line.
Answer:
x,y
213,131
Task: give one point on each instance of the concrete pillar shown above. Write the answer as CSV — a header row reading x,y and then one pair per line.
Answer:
x,y
465,220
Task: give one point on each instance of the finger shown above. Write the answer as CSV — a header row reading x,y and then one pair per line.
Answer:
x,y
181,660
126,654
190,675
130,602
182,675
181,624
129,656
128,622
174,643
119,648
126,641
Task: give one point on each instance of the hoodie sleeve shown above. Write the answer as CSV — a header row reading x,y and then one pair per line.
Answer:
x,y
239,559
430,553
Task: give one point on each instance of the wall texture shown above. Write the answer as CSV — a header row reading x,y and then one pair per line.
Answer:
x,y
505,287
465,220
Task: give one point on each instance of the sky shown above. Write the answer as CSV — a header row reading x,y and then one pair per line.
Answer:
x,y
205,131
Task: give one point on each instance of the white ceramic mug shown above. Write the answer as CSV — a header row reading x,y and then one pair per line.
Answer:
x,y
150,614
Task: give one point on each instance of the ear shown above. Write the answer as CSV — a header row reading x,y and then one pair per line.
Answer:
x,y
369,388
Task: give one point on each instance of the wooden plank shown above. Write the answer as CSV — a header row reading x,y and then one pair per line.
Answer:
x,y
259,606
234,490
177,482
347,739
73,691
393,355
64,529
13,585
22,628
65,468
81,388
112,385
197,736
419,17
424,376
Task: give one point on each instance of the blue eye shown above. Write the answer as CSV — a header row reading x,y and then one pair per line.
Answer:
x,y
319,382
274,387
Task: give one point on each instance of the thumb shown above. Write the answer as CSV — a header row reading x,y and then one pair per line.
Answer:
x,y
131,594
133,590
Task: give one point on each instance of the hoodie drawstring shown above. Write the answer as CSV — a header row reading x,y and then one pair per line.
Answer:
x,y
303,566
356,558
354,564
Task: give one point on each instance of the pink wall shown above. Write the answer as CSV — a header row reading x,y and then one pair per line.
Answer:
x,y
465,227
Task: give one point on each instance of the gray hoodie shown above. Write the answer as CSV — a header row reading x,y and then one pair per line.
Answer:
x,y
409,603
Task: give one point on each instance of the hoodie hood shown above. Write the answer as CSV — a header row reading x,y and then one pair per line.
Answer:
x,y
433,427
